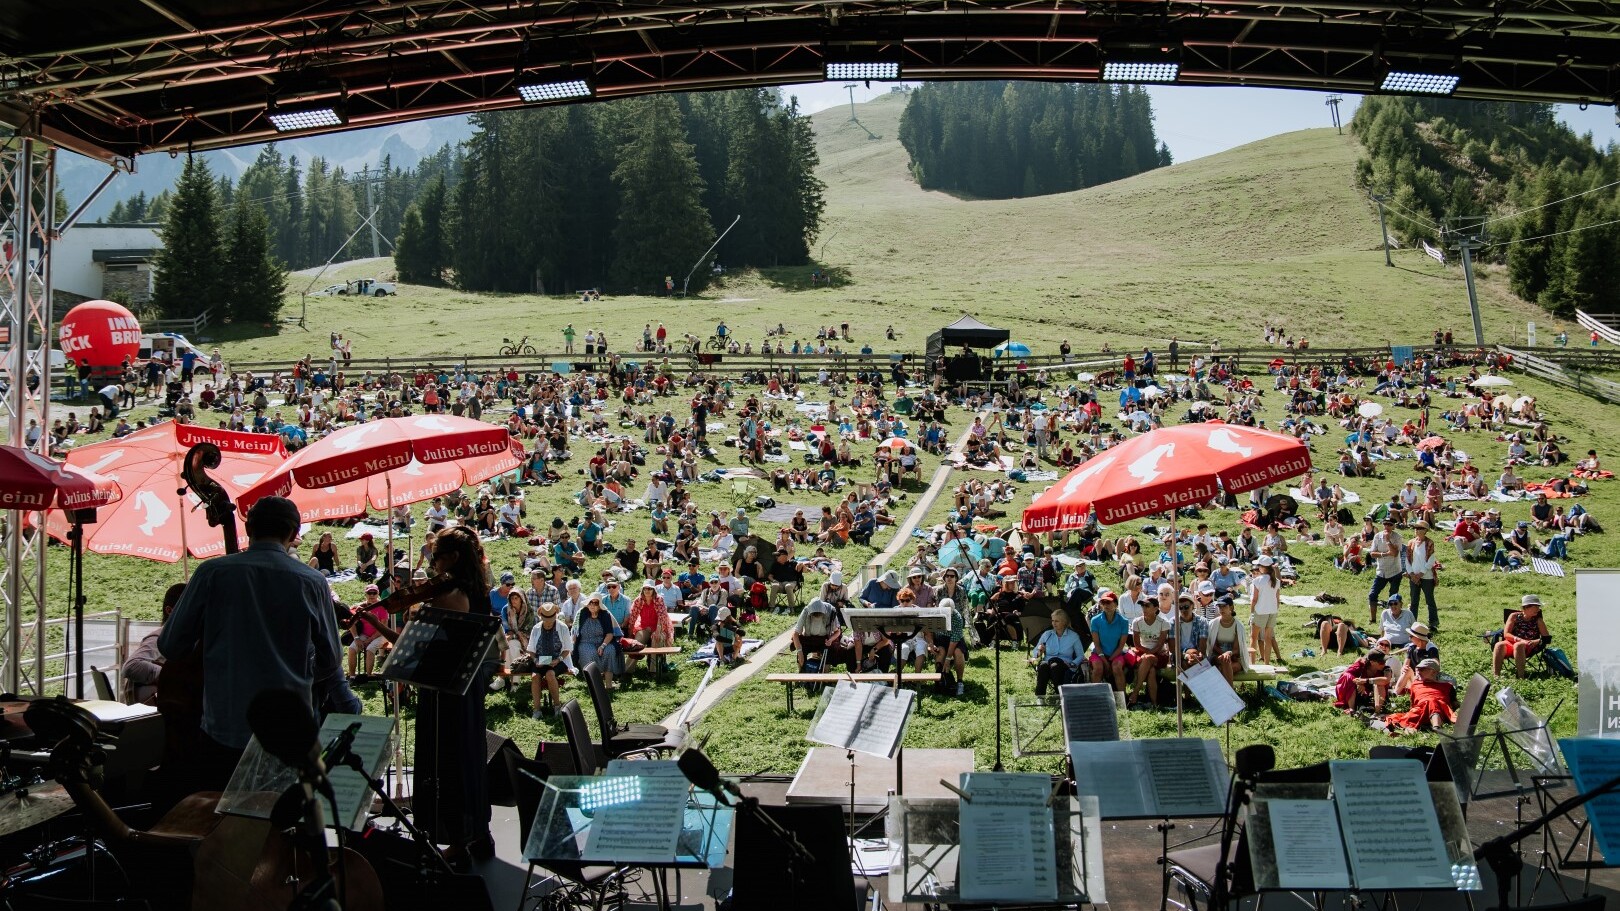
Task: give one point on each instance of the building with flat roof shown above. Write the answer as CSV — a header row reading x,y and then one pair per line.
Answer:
x,y
105,261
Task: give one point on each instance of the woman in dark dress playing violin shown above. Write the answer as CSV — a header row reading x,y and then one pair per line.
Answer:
x,y
451,779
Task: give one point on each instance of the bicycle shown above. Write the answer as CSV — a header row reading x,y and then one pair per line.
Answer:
x,y
510,348
717,342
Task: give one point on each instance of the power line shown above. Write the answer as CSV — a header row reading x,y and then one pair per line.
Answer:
x,y
1553,203
1520,240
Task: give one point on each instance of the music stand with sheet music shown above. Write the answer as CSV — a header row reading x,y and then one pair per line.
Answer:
x,y
653,821
899,625
864,718
442,649
928,833
1318,825
1041,725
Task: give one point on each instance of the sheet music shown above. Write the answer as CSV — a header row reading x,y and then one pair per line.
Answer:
x,y
1089,712
1402,849
1184,781
1210,688
1112,771
1009,847
865,717
1308,844
634,819
1595,761
371,741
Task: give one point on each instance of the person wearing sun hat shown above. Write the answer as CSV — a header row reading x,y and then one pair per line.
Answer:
x,y
1432,700
552,645
1524,634
1421,647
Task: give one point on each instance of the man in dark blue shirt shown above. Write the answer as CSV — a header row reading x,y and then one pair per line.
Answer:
x,y
264,620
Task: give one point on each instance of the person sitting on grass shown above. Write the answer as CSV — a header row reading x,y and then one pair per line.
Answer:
x,y
1365,679
1433,701
1524,634
1110,644
1419,648
1340,633
1058,654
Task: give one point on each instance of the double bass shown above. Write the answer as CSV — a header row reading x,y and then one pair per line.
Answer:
x,y
180,684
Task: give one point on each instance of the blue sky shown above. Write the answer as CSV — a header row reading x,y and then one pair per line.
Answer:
x,y
1199,121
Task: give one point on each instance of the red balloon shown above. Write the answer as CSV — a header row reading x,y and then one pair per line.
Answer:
x,y
102,332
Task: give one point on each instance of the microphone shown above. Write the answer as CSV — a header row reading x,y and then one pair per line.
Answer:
x,y
341,747
702,774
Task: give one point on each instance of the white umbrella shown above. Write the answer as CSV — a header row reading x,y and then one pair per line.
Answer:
x,y
1370,409
1520,402
1487,381
1152,392
1085,377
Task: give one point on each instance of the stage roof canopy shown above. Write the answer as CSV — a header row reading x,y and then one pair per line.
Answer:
x,y
116,78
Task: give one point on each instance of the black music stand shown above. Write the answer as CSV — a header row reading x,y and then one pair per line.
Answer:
x,y
442,649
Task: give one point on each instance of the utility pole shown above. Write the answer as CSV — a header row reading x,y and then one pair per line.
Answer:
x,y
1466,244
371,207
1333,104
1383,226
851,86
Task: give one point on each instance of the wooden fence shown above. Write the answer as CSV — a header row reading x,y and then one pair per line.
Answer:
x,y
1532,363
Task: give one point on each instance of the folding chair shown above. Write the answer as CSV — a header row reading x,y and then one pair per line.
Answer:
x,y
618,739
740,494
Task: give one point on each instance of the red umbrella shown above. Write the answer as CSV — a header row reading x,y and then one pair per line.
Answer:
x,y
151,521
387,463
894,443
1162,471
30,481
1165,470
1432,442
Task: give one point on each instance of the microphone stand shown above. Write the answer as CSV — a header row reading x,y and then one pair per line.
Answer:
x,y
430,858
1500,855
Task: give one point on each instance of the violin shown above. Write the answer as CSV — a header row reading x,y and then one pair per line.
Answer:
x,y
400,600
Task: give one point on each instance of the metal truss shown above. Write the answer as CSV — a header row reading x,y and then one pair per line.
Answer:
x,y
184,75
27,198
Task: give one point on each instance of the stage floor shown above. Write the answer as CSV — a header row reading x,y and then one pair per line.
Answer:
x,y
1132,849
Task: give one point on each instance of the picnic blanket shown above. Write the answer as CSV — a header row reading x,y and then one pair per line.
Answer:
x,y
1041,476
1004,464
1599,475
782,513
1547,567
378,530
1303,496
1535,487
1309,601
706,653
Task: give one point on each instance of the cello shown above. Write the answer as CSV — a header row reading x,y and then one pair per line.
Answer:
x,y
180,684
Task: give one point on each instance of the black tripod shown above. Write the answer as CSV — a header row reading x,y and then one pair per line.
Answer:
x,y
1500,855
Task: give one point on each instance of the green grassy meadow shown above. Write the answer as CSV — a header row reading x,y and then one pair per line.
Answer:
x,y
1208,250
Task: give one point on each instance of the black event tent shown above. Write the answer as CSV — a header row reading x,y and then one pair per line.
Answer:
x,y
965,331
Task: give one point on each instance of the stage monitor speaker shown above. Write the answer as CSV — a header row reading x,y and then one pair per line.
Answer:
x,y
500,784
761,880
395,859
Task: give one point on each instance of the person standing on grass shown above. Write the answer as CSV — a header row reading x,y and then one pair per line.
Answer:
x,y
568,339
1386,554
1421,571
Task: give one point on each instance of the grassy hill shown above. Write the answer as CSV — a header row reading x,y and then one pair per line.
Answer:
x,y
1208,249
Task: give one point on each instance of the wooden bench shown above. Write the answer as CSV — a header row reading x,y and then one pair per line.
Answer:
x,y
657,657
828,678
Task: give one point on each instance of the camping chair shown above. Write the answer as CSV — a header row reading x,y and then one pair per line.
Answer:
x,y
617,739
740,494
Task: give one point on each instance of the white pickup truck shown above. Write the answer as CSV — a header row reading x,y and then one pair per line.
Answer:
x,y
363,287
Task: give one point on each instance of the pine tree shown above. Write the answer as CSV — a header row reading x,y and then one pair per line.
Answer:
x,y
189,277
662,227
258,281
